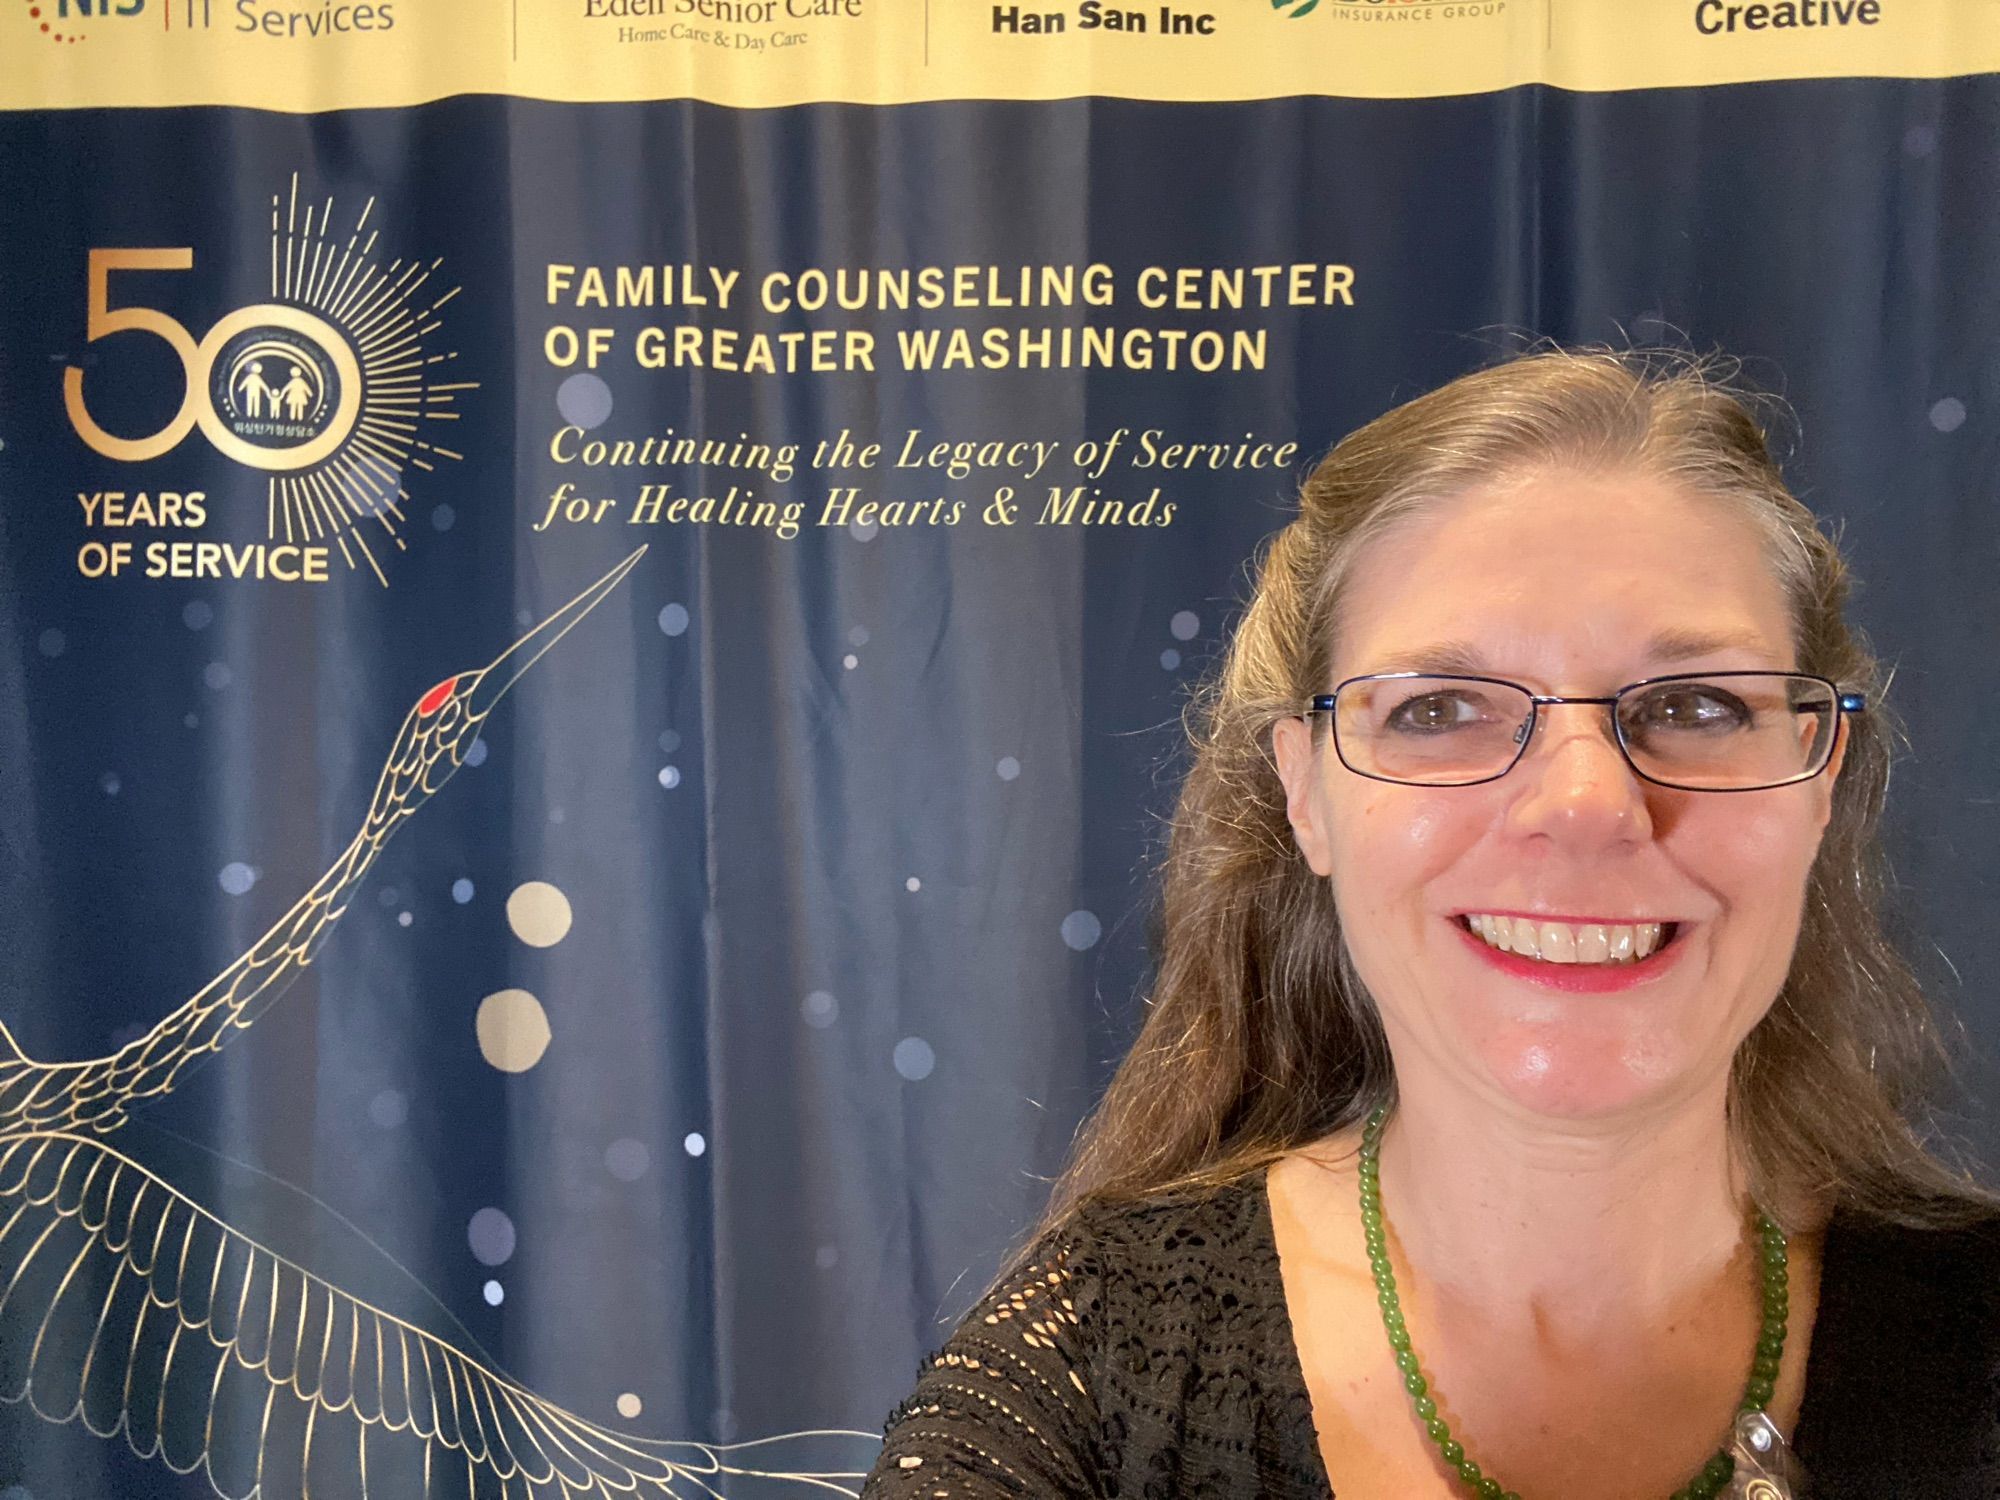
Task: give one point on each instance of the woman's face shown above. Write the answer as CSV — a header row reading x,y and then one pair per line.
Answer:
x,y
1571,585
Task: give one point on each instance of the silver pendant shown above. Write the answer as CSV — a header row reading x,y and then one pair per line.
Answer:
x,y
1765,1468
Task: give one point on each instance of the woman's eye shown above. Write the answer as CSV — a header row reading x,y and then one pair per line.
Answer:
x,y
1433,711
1704,707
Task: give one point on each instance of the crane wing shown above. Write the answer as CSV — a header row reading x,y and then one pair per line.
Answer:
x,y
129,1308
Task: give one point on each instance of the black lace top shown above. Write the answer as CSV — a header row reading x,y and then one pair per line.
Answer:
x,y
1145,1351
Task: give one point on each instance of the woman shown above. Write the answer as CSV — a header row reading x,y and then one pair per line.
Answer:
x,y
1526,1094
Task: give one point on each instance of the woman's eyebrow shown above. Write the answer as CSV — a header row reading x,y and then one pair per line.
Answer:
x,y
1679,644
1447,658
1463,658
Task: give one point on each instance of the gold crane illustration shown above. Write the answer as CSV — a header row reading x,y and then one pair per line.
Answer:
x,y
128,1307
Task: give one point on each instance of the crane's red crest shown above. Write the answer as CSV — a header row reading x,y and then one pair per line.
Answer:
x,y
434,700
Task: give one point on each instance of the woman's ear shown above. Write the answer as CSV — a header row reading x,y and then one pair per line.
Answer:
x,y
1830,777
1298,769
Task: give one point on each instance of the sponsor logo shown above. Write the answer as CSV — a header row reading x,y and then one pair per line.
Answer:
x,y
1390,11
331,391
1112,20
755,26
71,21
1718,18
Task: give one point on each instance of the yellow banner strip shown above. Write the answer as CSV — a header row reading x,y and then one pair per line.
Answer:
x,y
310,55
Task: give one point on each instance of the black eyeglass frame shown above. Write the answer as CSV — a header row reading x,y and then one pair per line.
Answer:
x,y
1844,703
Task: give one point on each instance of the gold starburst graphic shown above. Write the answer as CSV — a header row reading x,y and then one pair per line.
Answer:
x,y
358,381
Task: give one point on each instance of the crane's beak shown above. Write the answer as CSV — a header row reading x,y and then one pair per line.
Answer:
x,y
507,668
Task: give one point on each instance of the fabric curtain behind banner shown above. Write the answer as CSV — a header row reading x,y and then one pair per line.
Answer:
x,y
595,599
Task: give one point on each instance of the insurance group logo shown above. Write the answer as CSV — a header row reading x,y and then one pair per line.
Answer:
x,y
71,21
1391,11
334,391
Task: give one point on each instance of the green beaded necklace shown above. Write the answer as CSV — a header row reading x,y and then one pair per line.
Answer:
x,y
1714,1474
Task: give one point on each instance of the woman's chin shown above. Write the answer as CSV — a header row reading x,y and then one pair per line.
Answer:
x,y
1574,1080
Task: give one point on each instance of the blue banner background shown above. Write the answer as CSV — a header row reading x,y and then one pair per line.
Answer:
x,y
851,832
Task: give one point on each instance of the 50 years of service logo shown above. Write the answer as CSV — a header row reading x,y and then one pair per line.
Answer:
x,y
329,388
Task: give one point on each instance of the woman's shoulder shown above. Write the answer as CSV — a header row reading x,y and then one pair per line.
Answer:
x,y
1188,1270
1904,1374
1138,1347
1886,1285
1196,1376
1957,1257
1185,1280
1223,1228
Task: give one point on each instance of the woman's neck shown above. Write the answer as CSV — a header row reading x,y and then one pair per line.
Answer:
x,y
1583,1224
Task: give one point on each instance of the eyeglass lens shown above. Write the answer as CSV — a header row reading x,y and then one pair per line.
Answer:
x,y
1732,732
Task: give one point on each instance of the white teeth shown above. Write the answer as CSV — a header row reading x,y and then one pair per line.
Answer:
x,y
1518,936
1562,943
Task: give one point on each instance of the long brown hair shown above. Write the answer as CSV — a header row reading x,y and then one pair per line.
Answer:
x,y
1260,1036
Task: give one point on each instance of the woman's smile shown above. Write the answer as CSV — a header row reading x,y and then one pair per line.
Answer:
x,y
1571,940
1582,956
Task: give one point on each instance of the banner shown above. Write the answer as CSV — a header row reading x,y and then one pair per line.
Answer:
x,y
596,598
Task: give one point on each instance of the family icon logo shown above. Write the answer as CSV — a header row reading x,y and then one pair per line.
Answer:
x,y
331,389
278,390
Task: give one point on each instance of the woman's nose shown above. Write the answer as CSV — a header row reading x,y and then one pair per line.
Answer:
x,y
1577,785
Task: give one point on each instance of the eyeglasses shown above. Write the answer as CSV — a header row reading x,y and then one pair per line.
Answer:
x,y
1697,731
